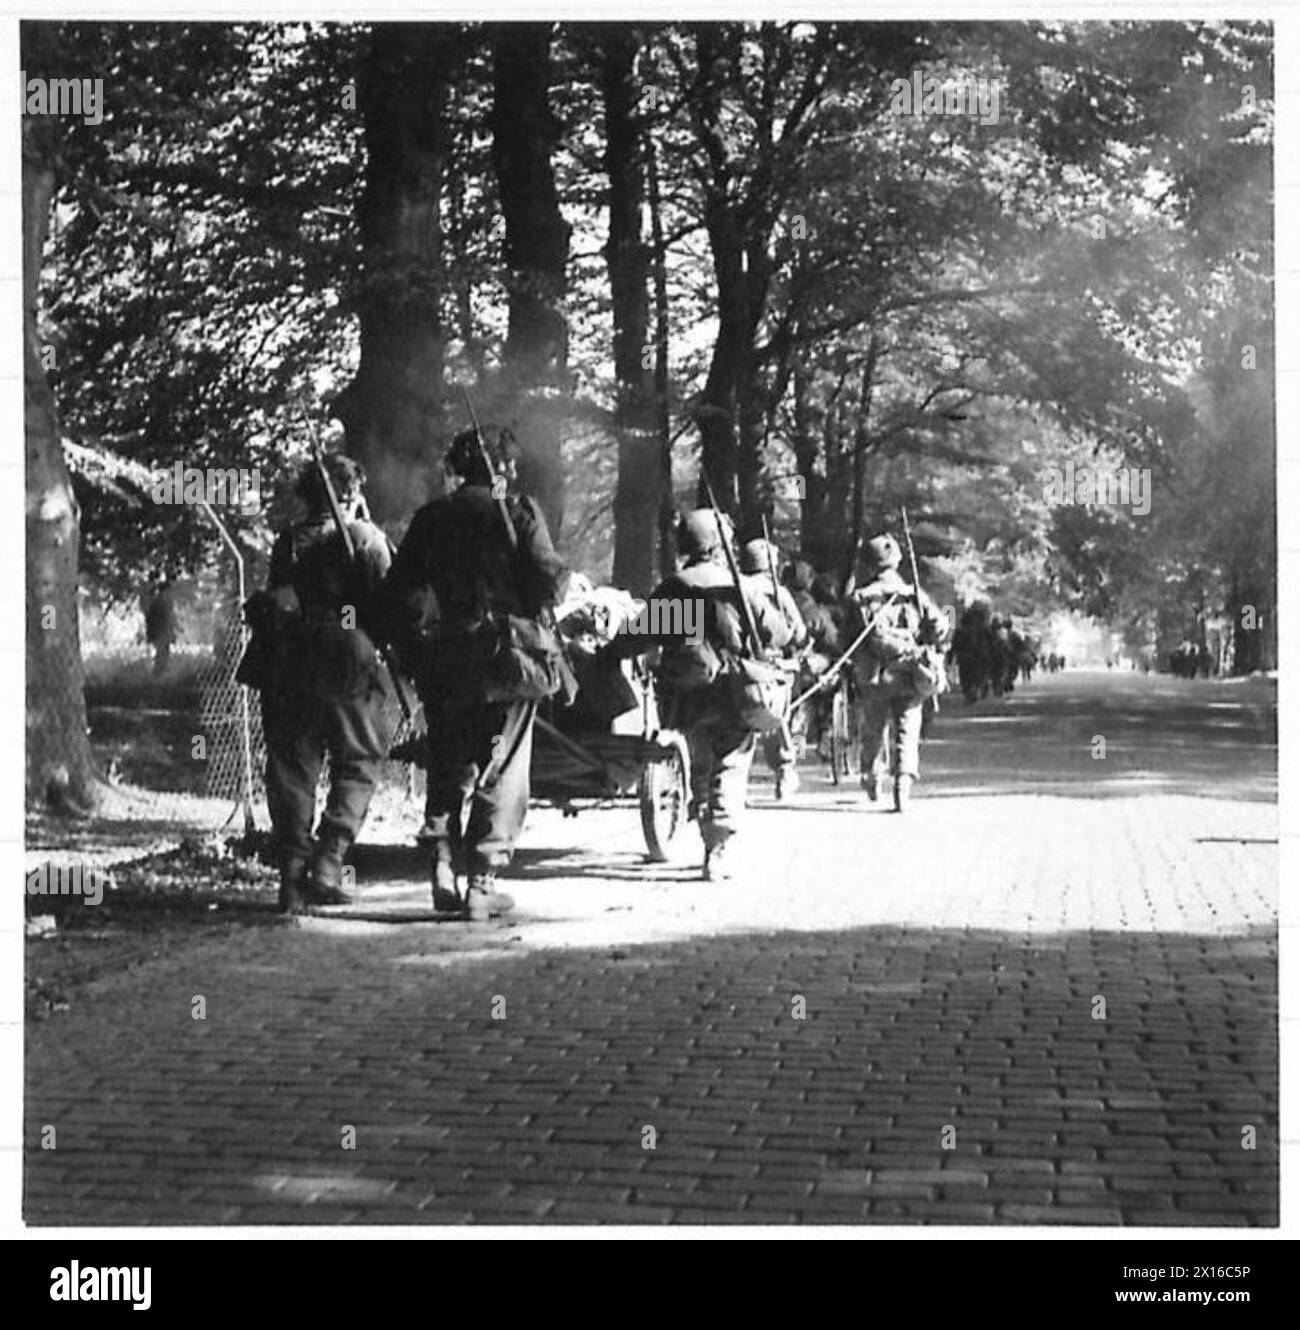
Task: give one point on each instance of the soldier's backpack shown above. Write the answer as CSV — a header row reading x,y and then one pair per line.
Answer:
x,y
317,650
339,659
525,662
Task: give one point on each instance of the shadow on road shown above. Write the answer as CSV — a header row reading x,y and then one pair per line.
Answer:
x,y
1079,1078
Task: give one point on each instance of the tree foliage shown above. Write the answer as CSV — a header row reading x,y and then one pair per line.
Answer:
x,y
863,307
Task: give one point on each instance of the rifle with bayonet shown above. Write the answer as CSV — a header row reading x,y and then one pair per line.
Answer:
x,y
911,559
921,616
340,522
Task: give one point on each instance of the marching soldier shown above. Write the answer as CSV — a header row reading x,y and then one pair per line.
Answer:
x,y
465,601
758,559
698,677
900,665
324,688
824,644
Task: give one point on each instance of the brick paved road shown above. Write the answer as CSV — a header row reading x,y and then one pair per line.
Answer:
x,y
887,1020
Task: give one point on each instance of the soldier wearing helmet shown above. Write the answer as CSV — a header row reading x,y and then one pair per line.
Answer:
x,y
758,561
467,600
899,666
695,677
324,689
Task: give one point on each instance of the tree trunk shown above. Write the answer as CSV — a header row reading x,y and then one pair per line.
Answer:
x,y
861,451
663,423
533,386
812,502
835,538
1252,648
60,767
391,410
637,498
729,413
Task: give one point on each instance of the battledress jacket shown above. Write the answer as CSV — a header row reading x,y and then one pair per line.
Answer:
x,y
456,571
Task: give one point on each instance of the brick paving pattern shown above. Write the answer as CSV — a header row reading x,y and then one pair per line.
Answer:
x,y
884,1020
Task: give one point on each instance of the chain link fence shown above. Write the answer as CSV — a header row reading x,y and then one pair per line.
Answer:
x,y
179,740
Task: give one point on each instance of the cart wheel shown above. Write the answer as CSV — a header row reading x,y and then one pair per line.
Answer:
x,y
839,737
664,794
844,737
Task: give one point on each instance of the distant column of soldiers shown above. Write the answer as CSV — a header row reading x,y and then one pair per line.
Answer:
x,y
1188,660
991,655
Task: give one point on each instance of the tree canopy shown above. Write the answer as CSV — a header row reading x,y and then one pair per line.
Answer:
x,y
663,252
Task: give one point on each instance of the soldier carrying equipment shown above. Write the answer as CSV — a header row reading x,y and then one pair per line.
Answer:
x,y
705,689
324,691
467,602
901,664
758,564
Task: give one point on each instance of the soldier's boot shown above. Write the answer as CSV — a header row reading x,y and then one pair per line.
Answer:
x,y
902,793
293,881
718,863
871,784
446,899
326,887
483,901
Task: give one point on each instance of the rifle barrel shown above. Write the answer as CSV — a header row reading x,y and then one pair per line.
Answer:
x,y
751,628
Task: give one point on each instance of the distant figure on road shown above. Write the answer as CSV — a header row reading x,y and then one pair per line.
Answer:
x,y
900,665
160,624
1182,661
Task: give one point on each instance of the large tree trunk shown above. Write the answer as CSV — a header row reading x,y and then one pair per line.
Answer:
x,y
730,409
637,498
59,762
391,410
862,448
812,503
835,537
533,390
716,411
663,423
1253,648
